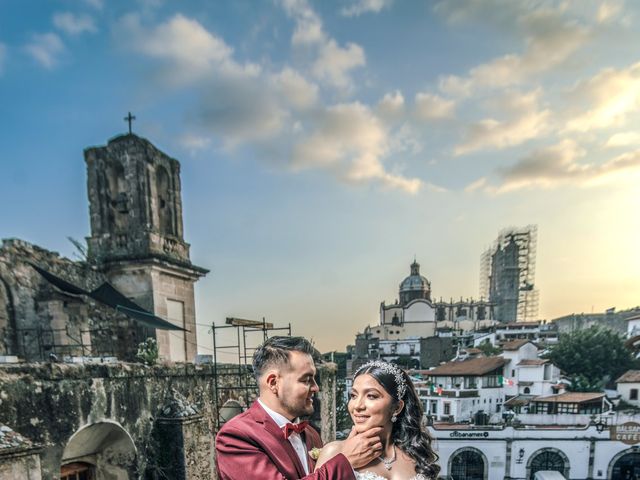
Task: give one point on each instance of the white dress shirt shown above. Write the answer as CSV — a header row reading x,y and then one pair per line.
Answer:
x,y
294,438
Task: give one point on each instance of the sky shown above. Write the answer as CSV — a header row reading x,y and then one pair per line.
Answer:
x,y
324,144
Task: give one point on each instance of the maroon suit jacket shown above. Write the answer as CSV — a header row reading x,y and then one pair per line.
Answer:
x,y
251,445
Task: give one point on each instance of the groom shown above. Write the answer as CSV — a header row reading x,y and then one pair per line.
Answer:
x,y
267,442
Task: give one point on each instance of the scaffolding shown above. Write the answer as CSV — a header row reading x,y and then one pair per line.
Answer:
x,y
494,275
237,378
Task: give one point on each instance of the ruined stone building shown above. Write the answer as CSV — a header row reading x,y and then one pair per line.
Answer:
x,y
74,403
137,272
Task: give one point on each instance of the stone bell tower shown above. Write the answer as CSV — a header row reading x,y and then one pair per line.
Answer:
x,y
135,208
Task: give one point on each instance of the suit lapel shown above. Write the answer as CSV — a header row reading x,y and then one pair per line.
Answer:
x,y
309,444
280,446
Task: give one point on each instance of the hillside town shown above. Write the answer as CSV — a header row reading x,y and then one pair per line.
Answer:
x,y
494,400
101,377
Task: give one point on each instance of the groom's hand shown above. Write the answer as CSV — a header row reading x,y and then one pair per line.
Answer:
x,y
361,448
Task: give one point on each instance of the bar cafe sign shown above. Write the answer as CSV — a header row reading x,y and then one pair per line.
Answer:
x,y
627,433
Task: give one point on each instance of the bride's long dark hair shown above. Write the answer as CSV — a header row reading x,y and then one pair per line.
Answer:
x,y
408,431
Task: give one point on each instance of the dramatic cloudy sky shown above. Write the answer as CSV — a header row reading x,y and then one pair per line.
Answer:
x,y
325,143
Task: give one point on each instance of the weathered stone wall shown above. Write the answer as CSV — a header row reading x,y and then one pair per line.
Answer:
x,y
135,203
40,320
51,403
63,398
19,458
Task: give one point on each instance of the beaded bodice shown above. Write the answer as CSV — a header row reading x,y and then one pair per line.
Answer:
x,y
366,475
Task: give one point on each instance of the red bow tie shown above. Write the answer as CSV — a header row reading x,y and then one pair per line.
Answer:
x,y
289,428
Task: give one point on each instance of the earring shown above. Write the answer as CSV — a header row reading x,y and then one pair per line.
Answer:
x,y
394,417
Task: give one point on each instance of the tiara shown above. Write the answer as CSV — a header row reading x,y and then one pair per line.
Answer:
x,y
392,370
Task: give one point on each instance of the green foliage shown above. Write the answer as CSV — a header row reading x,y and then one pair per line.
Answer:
x,y
405,361
343,419
148,351
488,349
593,358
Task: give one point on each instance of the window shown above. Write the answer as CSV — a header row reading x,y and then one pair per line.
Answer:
x,y
490,381
434,407
633,394
76,471
513,373
470,382
447,408
527,390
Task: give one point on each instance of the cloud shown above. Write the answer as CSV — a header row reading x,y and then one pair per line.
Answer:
x,y
623,139
194,143
239,110
73,24
433,107
276,114
358,7
349,140
391,106
556,165
97,4
331,63
189,51
334,63
549,38
524,120
607,11
297,91
3,57
45,49
308,30
608,98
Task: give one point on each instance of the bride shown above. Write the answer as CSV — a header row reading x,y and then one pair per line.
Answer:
x,y
383,395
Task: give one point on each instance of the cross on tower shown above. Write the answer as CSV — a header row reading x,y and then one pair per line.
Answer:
x,y
129,118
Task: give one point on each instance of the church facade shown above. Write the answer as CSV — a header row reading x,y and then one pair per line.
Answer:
x,y
417,327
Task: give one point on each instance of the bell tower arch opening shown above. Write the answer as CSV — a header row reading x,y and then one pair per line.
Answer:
x,y
165,202
117,198
7,321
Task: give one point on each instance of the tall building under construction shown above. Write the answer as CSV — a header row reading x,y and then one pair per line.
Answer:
x,y
507,275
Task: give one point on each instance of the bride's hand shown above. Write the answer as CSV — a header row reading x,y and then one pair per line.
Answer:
x,y
361,448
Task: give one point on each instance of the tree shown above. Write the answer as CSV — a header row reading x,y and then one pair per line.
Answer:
x,y
406,362
488,349
593,358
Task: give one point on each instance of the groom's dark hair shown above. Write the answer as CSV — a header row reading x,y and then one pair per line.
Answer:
x,y
275,351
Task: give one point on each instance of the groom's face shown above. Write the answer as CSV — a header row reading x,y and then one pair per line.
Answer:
x,y
297,385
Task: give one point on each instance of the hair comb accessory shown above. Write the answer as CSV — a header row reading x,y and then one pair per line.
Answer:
x,y
389,368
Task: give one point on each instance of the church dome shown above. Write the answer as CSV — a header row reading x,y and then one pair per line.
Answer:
x,y
414,286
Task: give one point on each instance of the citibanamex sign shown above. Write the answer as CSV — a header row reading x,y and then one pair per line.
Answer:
x,y
627,433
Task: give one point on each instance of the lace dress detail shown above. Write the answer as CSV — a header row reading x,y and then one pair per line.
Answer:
x,y
366,475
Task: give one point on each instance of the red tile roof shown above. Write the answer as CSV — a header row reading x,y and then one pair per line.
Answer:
x,y
630,376
571,397
472,367
515,344
533,362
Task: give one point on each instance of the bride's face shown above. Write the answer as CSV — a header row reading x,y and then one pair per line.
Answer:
x,y
369,404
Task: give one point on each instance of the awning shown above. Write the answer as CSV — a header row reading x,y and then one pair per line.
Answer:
x,y
108,295
59,283
519,401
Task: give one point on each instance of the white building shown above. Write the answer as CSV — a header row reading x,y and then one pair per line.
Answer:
x,y
526,375
516,453
458,391
517,331
628,386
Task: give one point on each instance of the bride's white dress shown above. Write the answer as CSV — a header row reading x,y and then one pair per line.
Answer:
x,y
366,475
